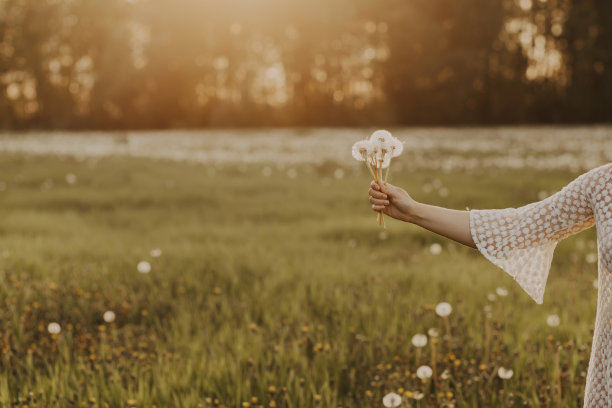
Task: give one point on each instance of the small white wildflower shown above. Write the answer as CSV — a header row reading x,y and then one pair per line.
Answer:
x,y
553,320
109,316
419,340
155,252
445,375
591,258
144,267
54,328
392,400
443,309
433,332
418,395
505,373
501,291
71,178
435,248
424,372
491,297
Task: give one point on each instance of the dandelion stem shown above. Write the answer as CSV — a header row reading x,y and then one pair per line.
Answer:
x,y
486,340
377,177
558,374
387,172
433,362
371,170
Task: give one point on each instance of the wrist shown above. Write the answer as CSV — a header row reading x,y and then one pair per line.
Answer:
x,y
413,213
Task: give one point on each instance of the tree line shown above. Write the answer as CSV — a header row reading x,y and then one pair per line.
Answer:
x,y
109,64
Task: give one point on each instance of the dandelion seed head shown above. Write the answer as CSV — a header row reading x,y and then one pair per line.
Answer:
x,y
424,372
381,141
419,340
443,309
71,178
504,373
109,316
54,328
435,248
553,320
362,150
501,292
397,147
143,267
591,258
433,332
392,400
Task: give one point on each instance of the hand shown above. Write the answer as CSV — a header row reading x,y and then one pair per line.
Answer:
x,y
392,201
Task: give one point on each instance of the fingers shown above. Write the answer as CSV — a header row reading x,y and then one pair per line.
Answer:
x,y
377,194
377,201
378,208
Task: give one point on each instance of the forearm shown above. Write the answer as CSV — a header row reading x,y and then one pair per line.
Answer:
x,y
453,224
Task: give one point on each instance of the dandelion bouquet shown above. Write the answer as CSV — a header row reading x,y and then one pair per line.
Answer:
x,y
377,152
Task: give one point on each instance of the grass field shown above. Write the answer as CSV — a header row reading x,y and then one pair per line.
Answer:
x,y
273,288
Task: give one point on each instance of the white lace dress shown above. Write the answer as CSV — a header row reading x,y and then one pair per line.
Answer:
x,y
521,241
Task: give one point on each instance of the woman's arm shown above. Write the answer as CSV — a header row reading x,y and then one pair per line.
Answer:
x,y
397,203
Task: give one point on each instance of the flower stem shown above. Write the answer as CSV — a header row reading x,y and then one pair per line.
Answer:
x,y
371,170
388,168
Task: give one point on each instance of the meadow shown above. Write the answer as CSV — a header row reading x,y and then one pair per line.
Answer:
x,y
263,284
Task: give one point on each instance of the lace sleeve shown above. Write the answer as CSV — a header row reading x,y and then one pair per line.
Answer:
x,y
522,240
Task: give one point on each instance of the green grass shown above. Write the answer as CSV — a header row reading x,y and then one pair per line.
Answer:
x,y
268,281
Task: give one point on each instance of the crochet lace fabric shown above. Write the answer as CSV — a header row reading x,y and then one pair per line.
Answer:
x,y
522,240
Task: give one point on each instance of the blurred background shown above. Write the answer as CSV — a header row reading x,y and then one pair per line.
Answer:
x,y
182,223
110,64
